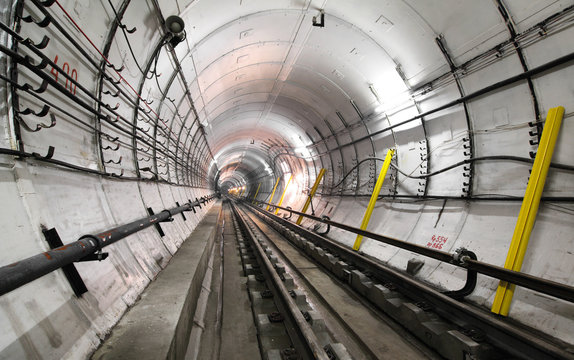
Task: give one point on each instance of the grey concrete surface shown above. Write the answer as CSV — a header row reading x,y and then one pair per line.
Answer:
x,y
238,333
158,325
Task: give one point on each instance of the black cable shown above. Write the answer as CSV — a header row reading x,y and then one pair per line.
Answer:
x,y
22,154
480,158
460,163
479,197
126,37
353,169
76,118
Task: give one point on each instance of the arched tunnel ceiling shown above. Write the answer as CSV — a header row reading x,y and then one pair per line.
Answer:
x,y
256,95
260,71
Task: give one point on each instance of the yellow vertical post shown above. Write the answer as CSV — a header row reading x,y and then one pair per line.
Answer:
x,y
374,196
311,194
273,193
256,192
283,195
529,208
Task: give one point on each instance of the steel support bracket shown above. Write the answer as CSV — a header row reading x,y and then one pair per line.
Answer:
x,y
290,213
324,217
183,212
156,225
191,206
97,256
169,218
70,272
461,255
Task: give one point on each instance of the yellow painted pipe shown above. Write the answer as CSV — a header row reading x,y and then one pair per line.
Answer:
x,y
283,195
256,192
374,196
529,208
311,194
273,193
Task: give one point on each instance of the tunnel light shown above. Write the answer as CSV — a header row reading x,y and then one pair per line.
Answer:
x,y
393,102
375,92
284,168
390,91
379,109
299,179
303,151
397,102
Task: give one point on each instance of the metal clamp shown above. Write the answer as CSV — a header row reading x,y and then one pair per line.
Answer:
x,y
98,242
170,217
461,256
98,254
324,217
290,213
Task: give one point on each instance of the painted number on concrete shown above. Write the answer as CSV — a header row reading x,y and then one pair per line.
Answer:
x,y
74,75
437,241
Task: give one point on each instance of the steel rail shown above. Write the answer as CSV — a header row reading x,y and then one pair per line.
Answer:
x,y
27,270
548,287
306,332
517,341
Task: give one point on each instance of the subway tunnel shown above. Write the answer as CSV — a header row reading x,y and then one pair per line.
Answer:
x,y
440,128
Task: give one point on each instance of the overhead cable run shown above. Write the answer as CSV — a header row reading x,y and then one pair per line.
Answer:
x,y
111,136
549,25
453,166
561,61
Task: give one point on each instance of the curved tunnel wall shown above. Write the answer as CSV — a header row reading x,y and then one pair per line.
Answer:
x,y
256,92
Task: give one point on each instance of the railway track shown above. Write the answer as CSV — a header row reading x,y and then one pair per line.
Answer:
x,y
343,326
424,322
287,326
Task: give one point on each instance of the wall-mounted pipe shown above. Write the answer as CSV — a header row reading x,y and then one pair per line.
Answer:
x,y
27,270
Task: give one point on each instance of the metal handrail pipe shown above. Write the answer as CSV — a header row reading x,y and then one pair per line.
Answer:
x,y
21,272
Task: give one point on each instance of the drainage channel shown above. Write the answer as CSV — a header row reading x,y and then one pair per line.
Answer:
x,y
450,340
288,327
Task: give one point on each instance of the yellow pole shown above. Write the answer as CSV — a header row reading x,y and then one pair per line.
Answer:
x,y
256,192
283,195
273,193
374,197
311,194
529,208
